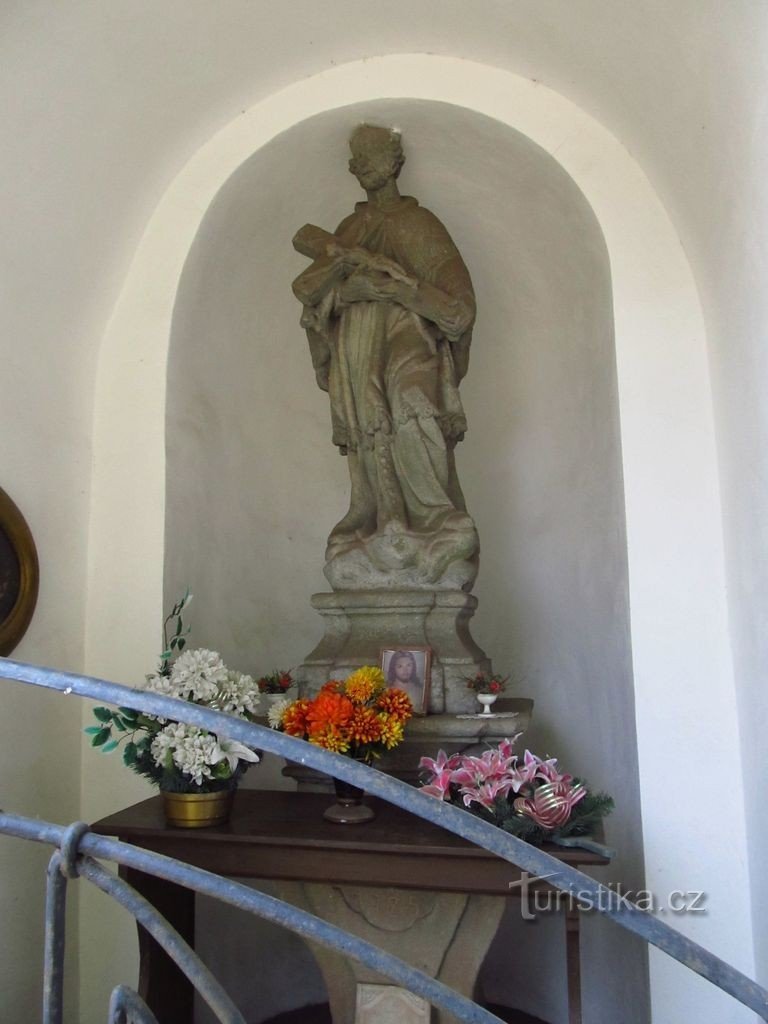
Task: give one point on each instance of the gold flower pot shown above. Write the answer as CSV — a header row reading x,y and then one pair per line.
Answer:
x,y
197,810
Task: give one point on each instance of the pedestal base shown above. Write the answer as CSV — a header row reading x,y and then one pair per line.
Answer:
x,y
446,935
358,624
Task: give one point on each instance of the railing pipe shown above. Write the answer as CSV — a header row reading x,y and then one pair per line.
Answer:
x,y
310,927
523,855
166,936
53,956
126,1007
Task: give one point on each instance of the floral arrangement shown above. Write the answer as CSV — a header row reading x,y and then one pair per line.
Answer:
x,y
529,796
482,683
177,757
277,681
359,717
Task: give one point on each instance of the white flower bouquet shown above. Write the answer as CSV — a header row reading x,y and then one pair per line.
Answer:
x,y
182,758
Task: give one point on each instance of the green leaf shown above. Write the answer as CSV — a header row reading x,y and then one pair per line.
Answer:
x,y
92,730
108,747
129,753
103,714
181,644
129,714
119,724
101,737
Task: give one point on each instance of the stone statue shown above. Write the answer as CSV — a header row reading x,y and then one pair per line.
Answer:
x,y
388,310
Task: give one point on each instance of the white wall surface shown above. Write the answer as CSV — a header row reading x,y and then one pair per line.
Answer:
x,y
676,581
103,104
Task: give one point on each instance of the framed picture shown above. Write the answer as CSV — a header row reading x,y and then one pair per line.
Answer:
x,y
408,668
19,575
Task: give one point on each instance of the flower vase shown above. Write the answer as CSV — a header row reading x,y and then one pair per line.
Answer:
x,y
268,699
197,810
349,808
487,699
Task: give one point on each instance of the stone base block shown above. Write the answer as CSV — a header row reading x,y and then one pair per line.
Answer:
x,y
388,1004
358,624
446,935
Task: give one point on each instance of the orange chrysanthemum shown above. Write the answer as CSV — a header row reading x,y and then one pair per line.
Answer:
x,y
328,709
294,720
365,726
331,738
396,703
332,686
364,684
391,730
375,675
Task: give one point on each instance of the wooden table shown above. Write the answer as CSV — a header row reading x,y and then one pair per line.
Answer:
x,y
282,836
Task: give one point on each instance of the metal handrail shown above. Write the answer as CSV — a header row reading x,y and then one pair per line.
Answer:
x,y
524,856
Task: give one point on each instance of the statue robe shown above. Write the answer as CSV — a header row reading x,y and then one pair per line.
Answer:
x,y
393,374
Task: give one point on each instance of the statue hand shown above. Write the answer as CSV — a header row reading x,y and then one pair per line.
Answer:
x,y
363,287
349,258
355,257
384,265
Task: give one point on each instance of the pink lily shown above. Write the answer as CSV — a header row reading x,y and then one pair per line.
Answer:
x,y
436,790
486,793
442,770
506,747
442,762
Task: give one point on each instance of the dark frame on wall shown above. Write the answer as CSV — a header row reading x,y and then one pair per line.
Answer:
x,y
19,575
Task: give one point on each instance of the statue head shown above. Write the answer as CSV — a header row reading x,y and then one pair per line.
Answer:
x,y
377,156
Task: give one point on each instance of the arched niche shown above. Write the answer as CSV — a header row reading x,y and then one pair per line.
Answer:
x,y
253,483
680,650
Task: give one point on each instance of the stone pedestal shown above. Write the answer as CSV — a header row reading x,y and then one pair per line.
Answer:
x,y
446,935
358,624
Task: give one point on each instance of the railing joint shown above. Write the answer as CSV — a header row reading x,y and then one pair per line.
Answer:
x,y
70,848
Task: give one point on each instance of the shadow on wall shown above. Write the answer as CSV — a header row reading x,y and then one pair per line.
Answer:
x,y
254,483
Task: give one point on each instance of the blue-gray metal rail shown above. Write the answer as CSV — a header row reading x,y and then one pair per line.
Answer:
x,y
77,845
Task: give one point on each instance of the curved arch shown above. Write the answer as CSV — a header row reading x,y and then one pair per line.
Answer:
x,y
677,593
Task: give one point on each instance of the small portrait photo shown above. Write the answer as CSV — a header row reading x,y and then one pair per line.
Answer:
x,y
408,668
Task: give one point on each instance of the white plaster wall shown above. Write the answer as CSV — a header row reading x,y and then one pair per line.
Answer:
x,y
676,574
254,484
39,747
45,420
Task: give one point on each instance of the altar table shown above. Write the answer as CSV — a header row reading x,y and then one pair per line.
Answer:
x,y
282,836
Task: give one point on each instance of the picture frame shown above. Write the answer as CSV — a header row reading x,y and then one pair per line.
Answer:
x,y
19,575
408,667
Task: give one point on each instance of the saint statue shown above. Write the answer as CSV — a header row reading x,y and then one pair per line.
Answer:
x,y
388,310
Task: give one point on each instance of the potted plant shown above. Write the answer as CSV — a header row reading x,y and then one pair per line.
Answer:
x,y
274,686
195,771
487,688
360,717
